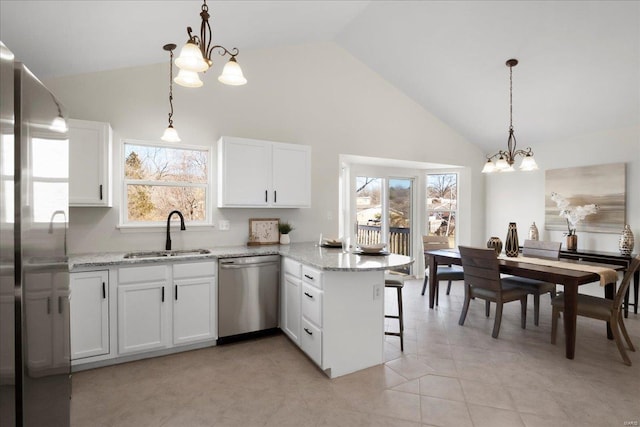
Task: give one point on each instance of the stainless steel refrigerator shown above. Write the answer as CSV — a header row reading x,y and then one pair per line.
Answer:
x,y
35,385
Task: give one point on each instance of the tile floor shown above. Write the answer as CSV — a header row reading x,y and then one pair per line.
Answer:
x,y
448,375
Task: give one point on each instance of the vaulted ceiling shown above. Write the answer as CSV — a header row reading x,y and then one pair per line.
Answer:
x,y
579,68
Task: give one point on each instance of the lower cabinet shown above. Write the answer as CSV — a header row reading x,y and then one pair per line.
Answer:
x,y
291,287
89,314
194,302
167,305
142,316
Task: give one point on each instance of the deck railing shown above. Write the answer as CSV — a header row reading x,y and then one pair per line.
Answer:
x,y
399,242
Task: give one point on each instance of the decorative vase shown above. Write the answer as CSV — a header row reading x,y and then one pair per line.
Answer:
x,y
533,232
572,242
495,243
285,239
511,244
626,242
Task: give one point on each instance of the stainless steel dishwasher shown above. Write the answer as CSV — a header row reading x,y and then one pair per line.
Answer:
x,y
248,295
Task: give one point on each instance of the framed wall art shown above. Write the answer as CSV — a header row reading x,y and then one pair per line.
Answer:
x,y
604,185
263,231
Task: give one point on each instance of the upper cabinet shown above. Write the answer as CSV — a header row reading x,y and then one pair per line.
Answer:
x,y
255,173
89,163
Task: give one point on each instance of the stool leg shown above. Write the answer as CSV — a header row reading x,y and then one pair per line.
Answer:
x,y
401,319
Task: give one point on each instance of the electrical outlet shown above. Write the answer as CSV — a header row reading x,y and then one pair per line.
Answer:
x,y
377,291
223,225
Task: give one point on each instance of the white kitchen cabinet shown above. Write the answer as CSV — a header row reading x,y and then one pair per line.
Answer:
x,y
341,316
46,310
291,285
143,297
194,302
90,164
256,173
89,314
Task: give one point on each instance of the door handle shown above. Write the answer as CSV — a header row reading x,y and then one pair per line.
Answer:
x,y
309,295
275,196
163,294
176,292
266,195
104,291
308,331
100,191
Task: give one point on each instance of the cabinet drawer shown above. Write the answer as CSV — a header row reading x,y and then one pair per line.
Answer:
x,y
312,304
292,267
194,269
312,276
149,273
311,341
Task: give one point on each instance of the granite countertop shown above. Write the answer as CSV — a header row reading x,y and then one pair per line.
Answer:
x,y
308,253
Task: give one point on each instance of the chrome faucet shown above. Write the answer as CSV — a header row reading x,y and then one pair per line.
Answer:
x,y
182,227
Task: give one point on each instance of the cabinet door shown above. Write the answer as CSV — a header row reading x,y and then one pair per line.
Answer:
x,y
194,310
89,314
142,316
311,341
244,172
291,175
291,307
89,163
38,307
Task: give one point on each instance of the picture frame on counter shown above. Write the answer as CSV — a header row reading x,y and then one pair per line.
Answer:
x,y
263,231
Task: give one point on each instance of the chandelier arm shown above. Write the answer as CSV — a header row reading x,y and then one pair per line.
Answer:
x,y
222,51
205,33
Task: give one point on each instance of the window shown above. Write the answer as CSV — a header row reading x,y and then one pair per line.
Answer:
x,y
442,205
160,178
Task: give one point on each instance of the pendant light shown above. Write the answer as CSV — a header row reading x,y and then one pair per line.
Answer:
x,y
170,134
506,159
195,57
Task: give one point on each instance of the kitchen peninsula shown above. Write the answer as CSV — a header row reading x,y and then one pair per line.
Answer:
x,y
331,303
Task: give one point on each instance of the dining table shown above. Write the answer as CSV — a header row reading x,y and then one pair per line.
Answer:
x,y
570,274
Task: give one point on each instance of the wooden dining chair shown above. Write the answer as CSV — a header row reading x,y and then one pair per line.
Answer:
x,y
602,309
482,280
445,272
536,249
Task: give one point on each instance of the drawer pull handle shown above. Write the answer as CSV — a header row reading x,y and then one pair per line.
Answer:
x,y
308,331
309,295
308,277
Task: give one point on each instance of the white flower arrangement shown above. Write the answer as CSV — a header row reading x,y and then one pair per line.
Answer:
x,y
573,215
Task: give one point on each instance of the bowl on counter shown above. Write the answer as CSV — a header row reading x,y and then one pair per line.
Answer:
x,y
373,248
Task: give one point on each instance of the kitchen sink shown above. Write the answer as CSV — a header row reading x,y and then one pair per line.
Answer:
x,y
166,254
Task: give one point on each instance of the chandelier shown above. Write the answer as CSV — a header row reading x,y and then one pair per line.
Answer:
x,y
170,134
195,57
506,159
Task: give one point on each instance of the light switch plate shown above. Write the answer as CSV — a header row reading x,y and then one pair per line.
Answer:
x,y
223,225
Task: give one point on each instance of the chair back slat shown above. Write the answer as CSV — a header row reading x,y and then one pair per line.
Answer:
x,y
626,280
541,249
435,242
481,268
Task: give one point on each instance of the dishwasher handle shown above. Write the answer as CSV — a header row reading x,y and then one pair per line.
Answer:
x,y
231,266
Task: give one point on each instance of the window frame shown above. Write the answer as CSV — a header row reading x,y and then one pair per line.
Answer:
x,y
124,221
455,211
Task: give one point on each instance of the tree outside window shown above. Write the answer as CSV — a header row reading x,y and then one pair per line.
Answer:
x,y
442,204
159,179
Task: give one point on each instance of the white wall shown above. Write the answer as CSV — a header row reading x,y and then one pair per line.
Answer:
x,y
317,95
519,196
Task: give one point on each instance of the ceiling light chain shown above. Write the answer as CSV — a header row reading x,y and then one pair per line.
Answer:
x,y
506,159
170,134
